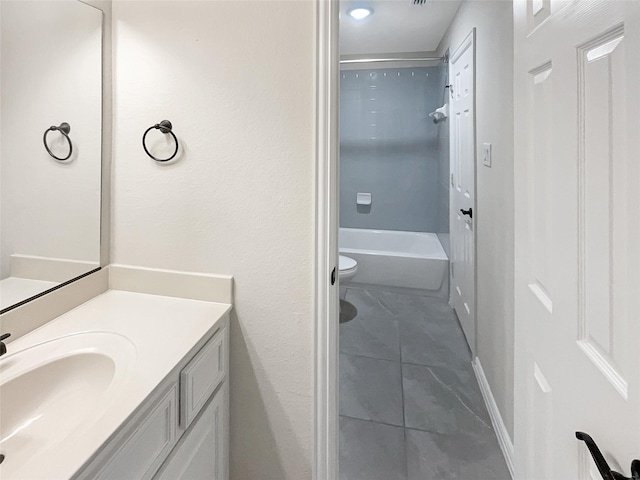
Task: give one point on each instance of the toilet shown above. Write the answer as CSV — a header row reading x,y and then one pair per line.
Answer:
x,y
347,267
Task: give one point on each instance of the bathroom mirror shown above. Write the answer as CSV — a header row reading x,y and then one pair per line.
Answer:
x,y
50,145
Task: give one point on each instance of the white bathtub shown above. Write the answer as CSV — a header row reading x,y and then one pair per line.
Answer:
x,y
397,259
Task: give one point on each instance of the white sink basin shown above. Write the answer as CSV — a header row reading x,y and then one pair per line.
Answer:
x,y
58,388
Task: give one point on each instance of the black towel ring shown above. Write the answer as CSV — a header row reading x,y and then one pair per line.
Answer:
x,y
64,129
165,127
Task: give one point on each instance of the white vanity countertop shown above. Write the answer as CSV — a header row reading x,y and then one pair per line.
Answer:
x,y
162,330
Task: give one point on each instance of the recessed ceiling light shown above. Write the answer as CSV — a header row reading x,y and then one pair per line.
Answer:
x,y
360,13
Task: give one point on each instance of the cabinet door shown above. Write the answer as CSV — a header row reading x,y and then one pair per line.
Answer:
x,y
143,453
200,378
200,454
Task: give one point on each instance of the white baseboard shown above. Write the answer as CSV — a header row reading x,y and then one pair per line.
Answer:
x,y
496,419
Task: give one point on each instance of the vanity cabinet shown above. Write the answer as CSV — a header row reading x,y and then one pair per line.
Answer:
x,y
144,451
181,431
200,453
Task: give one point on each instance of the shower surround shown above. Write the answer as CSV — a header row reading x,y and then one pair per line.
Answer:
x,y
392,149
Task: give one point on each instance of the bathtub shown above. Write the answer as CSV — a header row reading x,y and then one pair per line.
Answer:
x,y
397,259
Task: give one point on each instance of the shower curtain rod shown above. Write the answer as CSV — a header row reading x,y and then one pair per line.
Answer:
x,y
404,59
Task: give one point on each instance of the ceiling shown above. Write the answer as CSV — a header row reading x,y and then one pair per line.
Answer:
x,y
395,26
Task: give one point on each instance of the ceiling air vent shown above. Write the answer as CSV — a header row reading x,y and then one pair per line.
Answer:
x,y
419,2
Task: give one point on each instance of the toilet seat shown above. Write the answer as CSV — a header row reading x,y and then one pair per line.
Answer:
x,y
346,263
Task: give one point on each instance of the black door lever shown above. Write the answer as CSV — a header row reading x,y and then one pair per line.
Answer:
x,y
467,212
601,463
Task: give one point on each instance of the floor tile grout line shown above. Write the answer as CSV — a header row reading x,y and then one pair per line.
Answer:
x,y
410,294
370,358
404,425
433,366
452,434
371,421
415,429
364,356
411,363
404,421
406,454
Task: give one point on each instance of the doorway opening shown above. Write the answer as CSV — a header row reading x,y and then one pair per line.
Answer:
x,y
400,334
409,402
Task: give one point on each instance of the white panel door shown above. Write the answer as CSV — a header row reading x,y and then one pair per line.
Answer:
x,y
577,236
463,160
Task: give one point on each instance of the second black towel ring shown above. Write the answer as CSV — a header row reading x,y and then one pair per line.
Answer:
x,y
165,127
64,128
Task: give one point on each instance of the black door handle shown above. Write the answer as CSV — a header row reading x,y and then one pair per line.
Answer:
x,y
601,463
467,212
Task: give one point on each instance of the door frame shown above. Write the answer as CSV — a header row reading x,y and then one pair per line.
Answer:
x,y
326,299
326,303
468,42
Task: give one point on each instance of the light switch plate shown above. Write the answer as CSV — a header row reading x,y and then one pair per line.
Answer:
x,y
486,155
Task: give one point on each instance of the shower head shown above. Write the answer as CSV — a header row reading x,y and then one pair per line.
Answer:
x,y
437,117
440,114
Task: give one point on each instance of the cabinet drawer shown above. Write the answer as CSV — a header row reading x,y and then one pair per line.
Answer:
x,y
200,378
143,453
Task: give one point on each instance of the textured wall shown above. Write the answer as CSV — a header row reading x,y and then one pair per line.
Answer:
x,y
389,148
494,193
237,81
50,209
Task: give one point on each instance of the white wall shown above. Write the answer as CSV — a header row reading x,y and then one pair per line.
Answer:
x,y
50,73
236,78
494,194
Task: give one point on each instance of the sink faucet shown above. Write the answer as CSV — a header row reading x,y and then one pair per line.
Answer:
x,y
3,347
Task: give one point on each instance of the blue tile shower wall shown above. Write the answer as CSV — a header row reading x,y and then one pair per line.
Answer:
x,y
390,148
443,168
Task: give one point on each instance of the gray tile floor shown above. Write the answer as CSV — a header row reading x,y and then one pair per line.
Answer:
x,y
410,406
